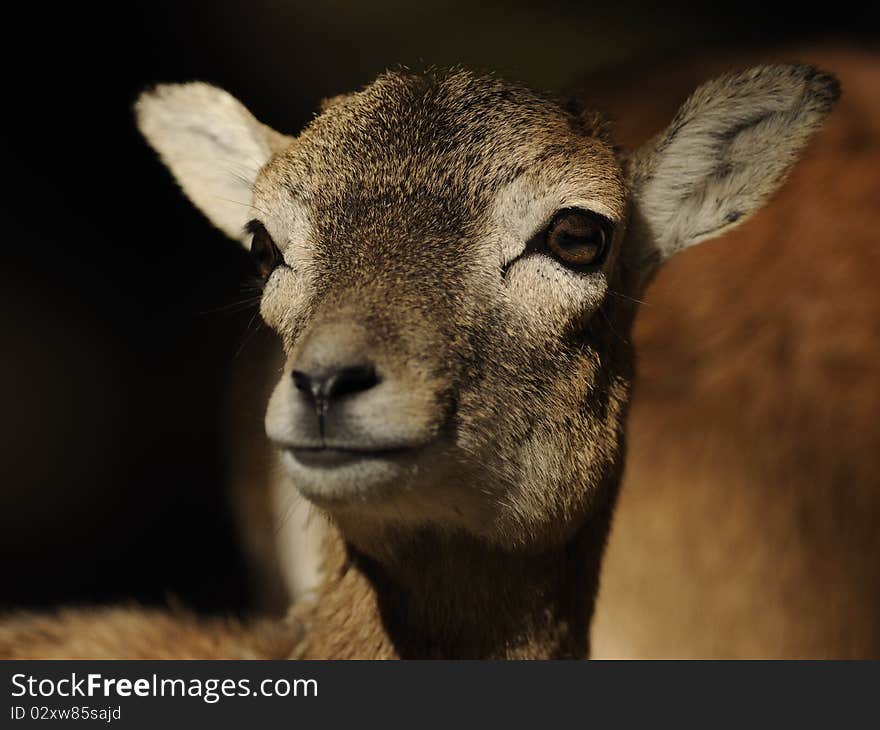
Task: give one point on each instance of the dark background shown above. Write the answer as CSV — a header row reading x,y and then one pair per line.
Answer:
x,y
118,316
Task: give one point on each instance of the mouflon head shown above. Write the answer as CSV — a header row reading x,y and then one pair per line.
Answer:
x,y
451,262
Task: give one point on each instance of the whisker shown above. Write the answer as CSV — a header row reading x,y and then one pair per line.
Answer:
x,y
246,205
611,326
242,305
249,333
245,174
293,502
629,298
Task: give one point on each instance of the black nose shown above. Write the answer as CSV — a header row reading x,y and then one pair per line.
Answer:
x,y
330,383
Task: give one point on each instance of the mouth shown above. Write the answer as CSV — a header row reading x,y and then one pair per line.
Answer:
x,y
329,457
332,476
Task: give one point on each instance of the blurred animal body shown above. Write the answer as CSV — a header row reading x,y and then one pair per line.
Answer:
x,y
749,519
453,264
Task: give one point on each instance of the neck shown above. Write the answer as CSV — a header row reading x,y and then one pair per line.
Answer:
x,y
426,594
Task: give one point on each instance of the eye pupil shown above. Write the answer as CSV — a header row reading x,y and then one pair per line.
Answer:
x,y
578,238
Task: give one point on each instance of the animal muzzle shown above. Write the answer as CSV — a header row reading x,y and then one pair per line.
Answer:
x,y
343,392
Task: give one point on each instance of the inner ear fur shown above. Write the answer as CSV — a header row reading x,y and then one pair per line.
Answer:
x,y
212,145
729,147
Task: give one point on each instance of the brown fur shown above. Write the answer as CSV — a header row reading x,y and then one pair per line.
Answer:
x,y
433,597
137,633
749,519
423,575
507,381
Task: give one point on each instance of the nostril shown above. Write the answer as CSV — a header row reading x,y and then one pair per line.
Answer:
x,y
302,381
335,382
349,380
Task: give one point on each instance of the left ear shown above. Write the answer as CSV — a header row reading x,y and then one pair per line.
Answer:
x,y
213,146
728,149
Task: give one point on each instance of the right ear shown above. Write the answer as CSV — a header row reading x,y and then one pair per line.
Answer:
x,y
213,146
728,149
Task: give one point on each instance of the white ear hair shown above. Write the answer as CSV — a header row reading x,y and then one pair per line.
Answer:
x,y
213,146
729,147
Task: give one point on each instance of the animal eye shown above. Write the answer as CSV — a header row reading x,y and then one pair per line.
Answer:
x,y
265,253
578,238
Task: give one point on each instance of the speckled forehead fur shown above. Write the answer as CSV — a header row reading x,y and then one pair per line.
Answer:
x,y
426,154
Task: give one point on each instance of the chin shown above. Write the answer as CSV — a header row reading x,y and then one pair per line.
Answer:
x,y
371,491
338,477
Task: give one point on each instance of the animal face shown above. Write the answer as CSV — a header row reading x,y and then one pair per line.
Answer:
x,y
436,281
451,263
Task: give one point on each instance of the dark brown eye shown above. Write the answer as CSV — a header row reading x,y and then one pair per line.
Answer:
x,y
578,238
263,249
